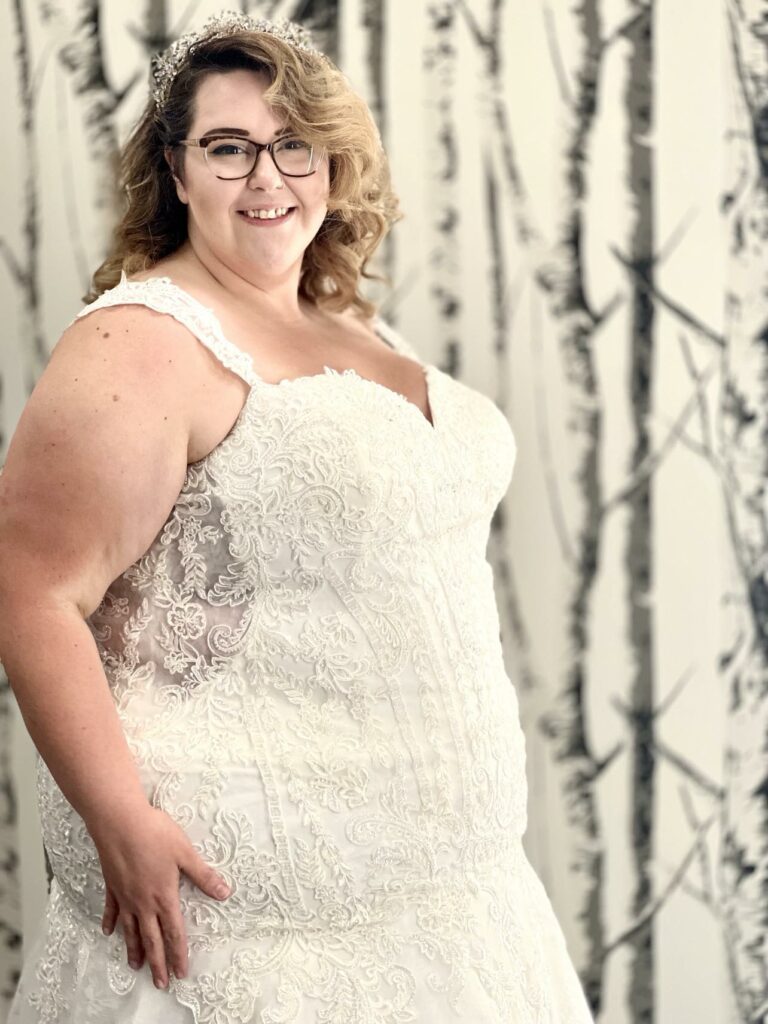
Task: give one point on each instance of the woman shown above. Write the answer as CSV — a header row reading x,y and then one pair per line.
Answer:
x,y
257,644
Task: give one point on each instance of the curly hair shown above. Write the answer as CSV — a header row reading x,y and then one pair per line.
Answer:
x,y
315,98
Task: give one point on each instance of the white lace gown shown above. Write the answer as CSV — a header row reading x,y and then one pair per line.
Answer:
x,y
308,670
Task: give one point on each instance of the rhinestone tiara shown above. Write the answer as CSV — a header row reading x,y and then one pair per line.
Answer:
x,y
166,65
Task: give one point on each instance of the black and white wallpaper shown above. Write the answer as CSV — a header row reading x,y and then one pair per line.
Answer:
x,y
585,185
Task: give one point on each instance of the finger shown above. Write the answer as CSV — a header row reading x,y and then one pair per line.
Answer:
x,y
175,936
133,944
109,918
152,937
203,875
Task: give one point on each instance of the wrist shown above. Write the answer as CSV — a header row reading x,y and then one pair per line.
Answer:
x,y
118,812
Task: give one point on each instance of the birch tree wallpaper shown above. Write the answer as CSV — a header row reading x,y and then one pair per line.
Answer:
x,y
585,190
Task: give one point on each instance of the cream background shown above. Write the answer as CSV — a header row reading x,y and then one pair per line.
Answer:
x,y
691,80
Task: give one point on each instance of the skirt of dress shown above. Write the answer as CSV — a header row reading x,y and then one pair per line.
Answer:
x,y
410,971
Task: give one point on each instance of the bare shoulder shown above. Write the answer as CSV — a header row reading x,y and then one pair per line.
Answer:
x,y
129,341
117,362
104,435
121,361
163,355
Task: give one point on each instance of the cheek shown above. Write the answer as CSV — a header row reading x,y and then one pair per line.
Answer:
x,y
207,202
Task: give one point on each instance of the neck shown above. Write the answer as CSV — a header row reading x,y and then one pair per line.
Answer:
x,y
274,300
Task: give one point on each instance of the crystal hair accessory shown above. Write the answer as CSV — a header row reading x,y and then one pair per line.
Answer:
x,y
165,66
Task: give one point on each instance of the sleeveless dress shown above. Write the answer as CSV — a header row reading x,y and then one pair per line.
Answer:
x,y
308,669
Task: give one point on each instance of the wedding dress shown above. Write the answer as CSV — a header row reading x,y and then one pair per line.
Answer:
x,y
308,670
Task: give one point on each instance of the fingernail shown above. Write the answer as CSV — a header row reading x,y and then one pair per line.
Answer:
x,y
134,963
222,890
105,929
160,982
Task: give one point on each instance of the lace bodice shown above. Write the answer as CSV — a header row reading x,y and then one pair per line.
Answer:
x,y
308,670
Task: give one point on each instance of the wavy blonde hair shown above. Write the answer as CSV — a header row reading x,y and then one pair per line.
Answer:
x,y
316,100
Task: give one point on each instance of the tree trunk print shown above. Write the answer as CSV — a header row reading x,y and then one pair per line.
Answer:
x,y
10,906
562,277
537,220
321,17
96,103
745,442
374,37
507,201
24,268
441,154
639,107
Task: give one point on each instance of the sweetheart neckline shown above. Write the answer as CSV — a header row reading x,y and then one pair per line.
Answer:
x,y
427,368
350,371
329,373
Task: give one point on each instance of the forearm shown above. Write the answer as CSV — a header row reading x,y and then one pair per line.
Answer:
x,y
56,675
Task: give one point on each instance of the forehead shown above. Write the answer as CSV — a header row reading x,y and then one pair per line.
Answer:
x,y
240,92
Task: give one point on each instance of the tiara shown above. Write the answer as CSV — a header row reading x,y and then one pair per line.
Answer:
x,y
166,65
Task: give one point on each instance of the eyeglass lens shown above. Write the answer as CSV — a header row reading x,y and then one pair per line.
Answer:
x,y
236,158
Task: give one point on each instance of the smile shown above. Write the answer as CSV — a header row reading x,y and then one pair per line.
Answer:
x,y
258,221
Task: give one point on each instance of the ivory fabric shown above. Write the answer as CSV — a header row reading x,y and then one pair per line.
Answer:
x,y
308,669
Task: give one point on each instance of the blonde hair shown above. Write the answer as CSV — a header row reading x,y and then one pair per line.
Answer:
x,y
316,100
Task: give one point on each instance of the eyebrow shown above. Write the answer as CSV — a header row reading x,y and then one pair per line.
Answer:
x,y
239,131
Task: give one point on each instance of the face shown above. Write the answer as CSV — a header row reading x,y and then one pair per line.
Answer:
x,y
217,226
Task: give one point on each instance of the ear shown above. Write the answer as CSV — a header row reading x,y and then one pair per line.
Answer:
x,y
181,192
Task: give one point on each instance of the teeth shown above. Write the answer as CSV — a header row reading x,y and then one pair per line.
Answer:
x,y
267,214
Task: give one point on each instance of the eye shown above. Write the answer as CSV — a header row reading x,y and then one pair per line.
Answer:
x,y
225,148
294,144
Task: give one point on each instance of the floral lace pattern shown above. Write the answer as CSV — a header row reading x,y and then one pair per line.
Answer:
x,y
308,670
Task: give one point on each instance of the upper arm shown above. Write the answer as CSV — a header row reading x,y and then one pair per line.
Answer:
x,y
99,455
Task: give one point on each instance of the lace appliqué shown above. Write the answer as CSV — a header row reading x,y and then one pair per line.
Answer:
x,y
163,296
307,666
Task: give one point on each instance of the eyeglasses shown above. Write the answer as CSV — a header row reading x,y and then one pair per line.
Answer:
x,y
229,157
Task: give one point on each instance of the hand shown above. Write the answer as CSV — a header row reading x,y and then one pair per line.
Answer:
x,y
141,857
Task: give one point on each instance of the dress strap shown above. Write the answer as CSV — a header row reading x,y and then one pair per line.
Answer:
x,y
163,296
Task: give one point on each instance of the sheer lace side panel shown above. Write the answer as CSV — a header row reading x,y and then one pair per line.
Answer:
x,y
163,296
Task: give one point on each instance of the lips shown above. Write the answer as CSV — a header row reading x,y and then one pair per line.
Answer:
x,y
265,222
268,209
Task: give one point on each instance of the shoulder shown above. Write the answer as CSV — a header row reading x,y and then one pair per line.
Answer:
x,y
125,334
152,357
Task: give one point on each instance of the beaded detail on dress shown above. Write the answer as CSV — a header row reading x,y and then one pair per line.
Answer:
x,y
307,666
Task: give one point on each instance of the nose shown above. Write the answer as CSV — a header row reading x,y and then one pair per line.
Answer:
x,y
267,177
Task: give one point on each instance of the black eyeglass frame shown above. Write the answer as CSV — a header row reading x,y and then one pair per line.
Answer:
x,y
203,143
